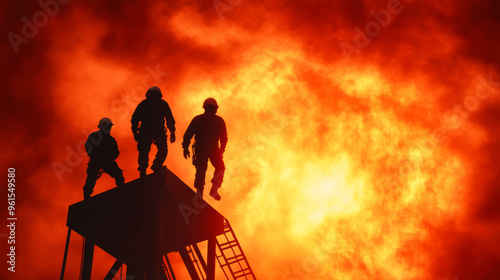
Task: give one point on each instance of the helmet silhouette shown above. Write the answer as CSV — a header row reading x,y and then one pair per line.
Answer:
x,y
210,102
105,123
154,90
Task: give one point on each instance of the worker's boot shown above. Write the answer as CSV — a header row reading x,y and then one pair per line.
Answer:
x,y
199,192
120,182
214,193
86,194
156,167
216,183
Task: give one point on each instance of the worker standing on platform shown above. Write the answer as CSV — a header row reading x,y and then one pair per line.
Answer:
x,y
209,131
148,126
103,151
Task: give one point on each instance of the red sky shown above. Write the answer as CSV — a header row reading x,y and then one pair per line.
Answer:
x,y
363,135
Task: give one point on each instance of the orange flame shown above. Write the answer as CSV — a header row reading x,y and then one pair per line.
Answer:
x,y
335,170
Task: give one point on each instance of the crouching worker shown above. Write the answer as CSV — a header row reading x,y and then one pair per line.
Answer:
x,y
103,151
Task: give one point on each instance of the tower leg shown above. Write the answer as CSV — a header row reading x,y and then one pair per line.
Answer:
x,y
168,267
200,257
189,264
65,254
88,256
211,259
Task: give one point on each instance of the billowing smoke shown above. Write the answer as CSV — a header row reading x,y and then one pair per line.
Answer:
x,y
363,135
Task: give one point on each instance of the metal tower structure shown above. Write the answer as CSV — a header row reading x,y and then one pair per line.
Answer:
x,y
148,218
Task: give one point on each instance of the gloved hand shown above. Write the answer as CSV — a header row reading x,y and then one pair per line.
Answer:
x,y
172,137
186,152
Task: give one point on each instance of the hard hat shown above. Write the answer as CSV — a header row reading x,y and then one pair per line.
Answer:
x,y
210,102
154,90
105,123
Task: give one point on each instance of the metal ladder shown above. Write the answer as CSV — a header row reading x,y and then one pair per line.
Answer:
x,y
168,272
232,260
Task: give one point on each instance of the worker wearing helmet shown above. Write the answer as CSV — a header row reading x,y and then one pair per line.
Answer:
x,y
210,139
103,151
148,126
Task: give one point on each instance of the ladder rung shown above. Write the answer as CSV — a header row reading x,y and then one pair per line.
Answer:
x,y
228,237
241,275
229,264
244,273
228,242
253,277
236,259
238,277
228,245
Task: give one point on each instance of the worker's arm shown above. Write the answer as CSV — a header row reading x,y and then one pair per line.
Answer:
x,y
170,122
88,146
135,121
187,138
223,136
170,118
114,149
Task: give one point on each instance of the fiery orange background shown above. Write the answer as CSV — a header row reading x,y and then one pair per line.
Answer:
x,y
376,164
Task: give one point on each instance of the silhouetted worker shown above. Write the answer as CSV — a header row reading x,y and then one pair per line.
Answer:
x,y
148,126
209,131
103,151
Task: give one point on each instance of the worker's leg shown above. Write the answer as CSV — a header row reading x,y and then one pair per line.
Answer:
x,y
201,168
218,163
143,146
161,144
115,172
92,172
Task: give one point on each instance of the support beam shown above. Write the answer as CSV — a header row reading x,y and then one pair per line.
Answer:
x,y
88,256
65,254
168,267
189,264
114,269
200,257
211,258
154,269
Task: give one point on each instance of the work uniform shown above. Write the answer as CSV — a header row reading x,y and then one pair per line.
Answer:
x,y
103,151
149,120
209,131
